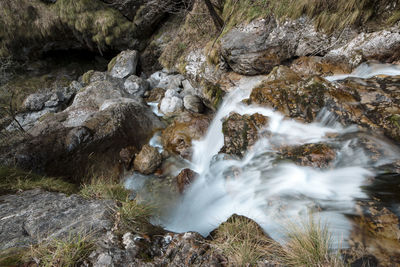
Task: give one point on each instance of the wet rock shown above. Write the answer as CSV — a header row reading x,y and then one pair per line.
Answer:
x,y
124,64
136,86
34,216
307,66
371,103
376,235
259,46
241,132
148,160
177,137
193,103
313,155
185,178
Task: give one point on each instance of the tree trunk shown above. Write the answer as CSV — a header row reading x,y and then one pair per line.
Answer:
x,y
218,22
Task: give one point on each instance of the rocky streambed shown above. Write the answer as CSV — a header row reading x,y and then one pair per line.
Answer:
x,y
290,121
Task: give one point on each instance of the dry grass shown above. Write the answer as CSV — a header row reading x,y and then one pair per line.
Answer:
x,y
243,241
65,252
309,243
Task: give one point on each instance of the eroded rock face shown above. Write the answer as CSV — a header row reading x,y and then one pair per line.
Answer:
x,y
371,103
241,132
148,160
34,216
178,136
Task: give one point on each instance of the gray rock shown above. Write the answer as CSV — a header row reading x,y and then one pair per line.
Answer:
x,y
171,105
35,102
259,46
155,78
193,103
136,86
188,89
148,160
381,45
125,64
34,216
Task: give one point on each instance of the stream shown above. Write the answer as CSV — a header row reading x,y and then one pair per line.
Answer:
x,y
270,190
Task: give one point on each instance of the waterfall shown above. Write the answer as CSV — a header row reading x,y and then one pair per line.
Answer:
x,y
267,189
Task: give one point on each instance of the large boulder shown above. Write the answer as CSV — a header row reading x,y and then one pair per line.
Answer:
x,y
263,44
35,216
101,121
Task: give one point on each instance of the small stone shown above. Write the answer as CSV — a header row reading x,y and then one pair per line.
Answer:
x,y
148,160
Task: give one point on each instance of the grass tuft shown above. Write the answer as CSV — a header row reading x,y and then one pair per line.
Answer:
x,y
103,188
242,241
309,244
13,180
66,252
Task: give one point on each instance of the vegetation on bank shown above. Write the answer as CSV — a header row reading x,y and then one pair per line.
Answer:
x,y
67,252
14,180
307,243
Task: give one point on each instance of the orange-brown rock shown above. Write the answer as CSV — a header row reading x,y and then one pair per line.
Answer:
x,y
177,137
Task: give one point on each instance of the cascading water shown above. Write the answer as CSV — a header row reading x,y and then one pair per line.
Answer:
x,y
267,189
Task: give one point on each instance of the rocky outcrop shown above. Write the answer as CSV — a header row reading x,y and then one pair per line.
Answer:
x,y
102,119
177,137
263,44
259,46
148,160
371,103
35,216
241,132
188,249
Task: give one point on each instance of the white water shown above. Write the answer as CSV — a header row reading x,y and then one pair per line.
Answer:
x,y
268,190
369,70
